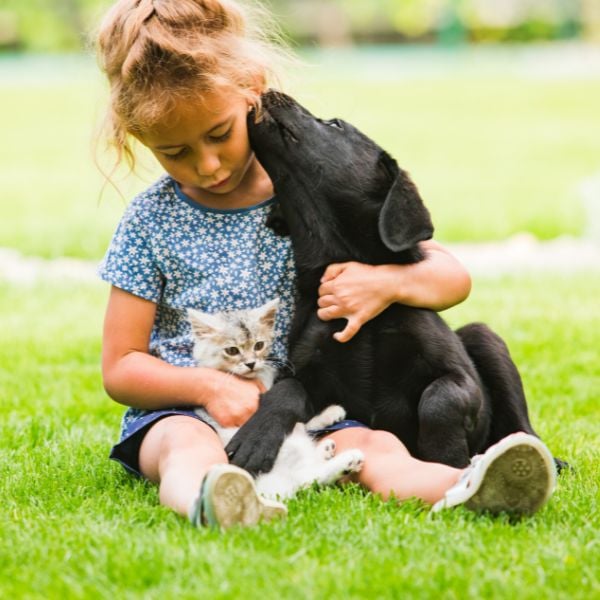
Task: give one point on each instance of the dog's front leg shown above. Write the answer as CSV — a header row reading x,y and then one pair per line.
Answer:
x,y
449,414
256,445
313,336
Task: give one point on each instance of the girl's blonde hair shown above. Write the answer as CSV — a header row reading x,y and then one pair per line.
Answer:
x,y
158,53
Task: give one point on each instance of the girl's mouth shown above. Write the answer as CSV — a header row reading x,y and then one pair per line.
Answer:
x,y
219,184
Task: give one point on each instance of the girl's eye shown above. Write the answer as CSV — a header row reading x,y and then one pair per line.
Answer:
x,y
259,346
178,155
232,351
221,138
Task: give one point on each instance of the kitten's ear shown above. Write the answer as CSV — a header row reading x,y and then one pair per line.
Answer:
x,y
203,324
267,312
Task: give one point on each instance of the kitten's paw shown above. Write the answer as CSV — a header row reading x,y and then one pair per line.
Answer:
x,y
356,461
333,414
327,448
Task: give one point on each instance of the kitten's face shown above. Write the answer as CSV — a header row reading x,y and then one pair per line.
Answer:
x,y
236,342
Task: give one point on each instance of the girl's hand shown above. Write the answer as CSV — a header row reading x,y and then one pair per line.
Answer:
x,y
356,292
359,292
233,400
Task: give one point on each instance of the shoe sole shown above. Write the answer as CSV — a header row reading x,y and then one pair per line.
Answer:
x,y
231,499
520,480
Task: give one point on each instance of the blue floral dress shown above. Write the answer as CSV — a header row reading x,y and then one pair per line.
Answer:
x,y
179,254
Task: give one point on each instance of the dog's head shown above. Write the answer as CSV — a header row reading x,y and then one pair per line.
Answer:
x,y
333,173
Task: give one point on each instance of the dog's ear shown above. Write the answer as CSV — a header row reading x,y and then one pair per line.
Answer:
x,y
404,220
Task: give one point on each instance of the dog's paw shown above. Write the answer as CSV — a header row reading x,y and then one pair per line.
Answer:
x,y
327,449
355,463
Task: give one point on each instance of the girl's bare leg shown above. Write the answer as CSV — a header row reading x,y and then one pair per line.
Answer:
x,y
390,469
176,453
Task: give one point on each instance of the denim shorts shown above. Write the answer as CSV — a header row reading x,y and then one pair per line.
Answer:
x,y
127,451
133,431
345,424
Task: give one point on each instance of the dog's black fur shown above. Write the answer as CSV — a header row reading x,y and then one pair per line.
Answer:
x,y
447,395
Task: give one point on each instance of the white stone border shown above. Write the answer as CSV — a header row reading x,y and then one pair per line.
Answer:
x,y
19,269
520,253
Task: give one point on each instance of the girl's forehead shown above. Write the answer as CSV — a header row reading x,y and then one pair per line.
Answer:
x,y
200,115
210,107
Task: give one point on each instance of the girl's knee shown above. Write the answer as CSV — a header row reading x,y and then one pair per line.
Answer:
x,y
188,432
369,441
175,437
378,441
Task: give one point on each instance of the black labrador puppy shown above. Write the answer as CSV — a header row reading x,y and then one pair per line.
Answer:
x,y
447,395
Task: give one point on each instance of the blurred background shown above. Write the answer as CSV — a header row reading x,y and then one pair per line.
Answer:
x,y
61,25
493,106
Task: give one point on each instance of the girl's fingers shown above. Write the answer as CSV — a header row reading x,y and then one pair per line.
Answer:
x,y
325,301
326,289
353,324
348,332
332,271
329,313
260,385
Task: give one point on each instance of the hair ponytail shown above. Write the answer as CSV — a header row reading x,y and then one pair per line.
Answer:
x,y
157,53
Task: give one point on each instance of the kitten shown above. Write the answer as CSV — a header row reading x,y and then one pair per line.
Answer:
x,y
239,342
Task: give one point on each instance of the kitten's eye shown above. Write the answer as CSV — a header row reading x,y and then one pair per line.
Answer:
x,y
232,351
259,346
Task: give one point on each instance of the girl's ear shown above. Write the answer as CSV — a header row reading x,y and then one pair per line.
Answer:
x,y
404,220
256,91
203,324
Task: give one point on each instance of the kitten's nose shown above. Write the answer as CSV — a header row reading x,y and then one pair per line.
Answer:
x,y
250,365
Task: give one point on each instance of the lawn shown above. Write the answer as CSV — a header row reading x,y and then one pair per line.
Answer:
x,y
494,148
74,525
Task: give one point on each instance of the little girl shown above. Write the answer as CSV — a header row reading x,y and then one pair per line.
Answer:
x,y
183,76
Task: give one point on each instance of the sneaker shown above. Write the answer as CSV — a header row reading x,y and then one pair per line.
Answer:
x,y
517,475
228,497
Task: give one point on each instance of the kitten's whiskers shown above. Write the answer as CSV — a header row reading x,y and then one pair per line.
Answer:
x,y
281,363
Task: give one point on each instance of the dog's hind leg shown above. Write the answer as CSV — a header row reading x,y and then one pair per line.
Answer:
x,y
501,381
451,412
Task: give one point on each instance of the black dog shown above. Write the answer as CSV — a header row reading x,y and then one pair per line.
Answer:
x,y
447,395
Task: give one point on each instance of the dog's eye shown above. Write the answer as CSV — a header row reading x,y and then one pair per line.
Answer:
x,y
334,123
287,134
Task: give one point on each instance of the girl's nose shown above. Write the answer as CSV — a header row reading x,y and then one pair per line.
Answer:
x,y
208,164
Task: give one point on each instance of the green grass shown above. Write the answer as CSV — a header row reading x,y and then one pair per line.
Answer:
x,y
493,150
74,525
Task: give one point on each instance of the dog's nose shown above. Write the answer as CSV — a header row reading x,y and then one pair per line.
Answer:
x,y
250,365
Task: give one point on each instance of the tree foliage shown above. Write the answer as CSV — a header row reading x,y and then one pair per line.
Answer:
x,y
42,25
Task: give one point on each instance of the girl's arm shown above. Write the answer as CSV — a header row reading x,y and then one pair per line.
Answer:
x,y
359,292
135,378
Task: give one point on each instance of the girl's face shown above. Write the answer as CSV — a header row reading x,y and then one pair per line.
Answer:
x,y
206,148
